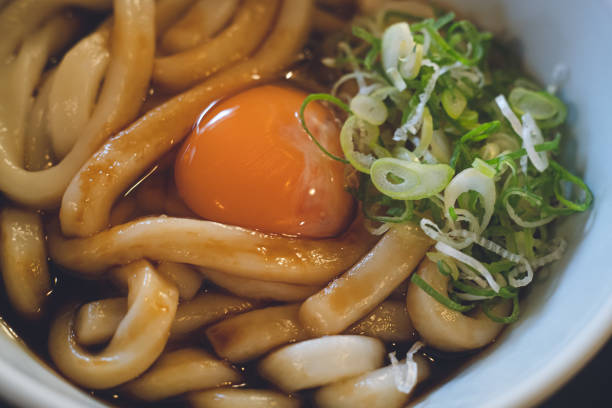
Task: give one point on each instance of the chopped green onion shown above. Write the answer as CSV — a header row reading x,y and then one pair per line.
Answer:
x,y
405,180
561,175
481,132
538,104
423,90
486,308
547,109
471,179
356,136
444,268
542,147
505,292
440,298
369,109
468,119
426,134
405,215
453,102
365,35
483,167
327,98
444,20
452,213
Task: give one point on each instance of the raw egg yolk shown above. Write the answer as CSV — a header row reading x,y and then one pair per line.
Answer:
x,y
250,163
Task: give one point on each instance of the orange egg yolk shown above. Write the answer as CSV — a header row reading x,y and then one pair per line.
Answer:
x,y
250,163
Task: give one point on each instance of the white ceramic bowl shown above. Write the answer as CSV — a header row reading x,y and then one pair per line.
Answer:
x,y
566,318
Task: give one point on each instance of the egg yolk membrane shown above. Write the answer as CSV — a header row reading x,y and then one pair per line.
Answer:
x,y
250,163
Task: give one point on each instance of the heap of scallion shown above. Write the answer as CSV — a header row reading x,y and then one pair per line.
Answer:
x,y
440,136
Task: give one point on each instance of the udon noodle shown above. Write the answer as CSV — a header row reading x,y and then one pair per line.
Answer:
x,y
90,122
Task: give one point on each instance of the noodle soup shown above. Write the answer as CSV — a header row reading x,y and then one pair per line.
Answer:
x,y
287,203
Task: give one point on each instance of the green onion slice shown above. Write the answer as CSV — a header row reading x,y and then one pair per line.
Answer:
x,y
537,103
453,102
444,300
563,175
486,308
327,98
405,180
472,180
541,147
547,109
356,140
506,292
370,109
426,134
480,132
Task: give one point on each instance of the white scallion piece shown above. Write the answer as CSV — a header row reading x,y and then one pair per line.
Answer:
x,y
413,122
471,179
406,375
470,261
531,136
426,134
397,44
508,113
517,282
528,130
369,109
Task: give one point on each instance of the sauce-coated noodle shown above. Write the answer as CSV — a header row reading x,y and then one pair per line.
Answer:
x,y
234,250
138,341
321,361
122,93
250,335
376,389
24,261
259,289
180,71
180,371
201,22
231,397
355,293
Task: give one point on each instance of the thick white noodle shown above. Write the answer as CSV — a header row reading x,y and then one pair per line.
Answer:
x,y
370,281
23,260
252,334
97,321
388,322
180,71
259,289
37,150
180,371
377,389
75,89
321,361
22,17
139,340
19,80
234,250
240,397
188,281
122,94
201,22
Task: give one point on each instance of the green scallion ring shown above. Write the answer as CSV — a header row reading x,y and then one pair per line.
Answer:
x,y
440,298
404,180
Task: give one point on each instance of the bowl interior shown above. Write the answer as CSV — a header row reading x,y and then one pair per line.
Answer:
x,y
567,316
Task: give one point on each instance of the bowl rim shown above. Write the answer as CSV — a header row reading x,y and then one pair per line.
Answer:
x,y
556,373
33,393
